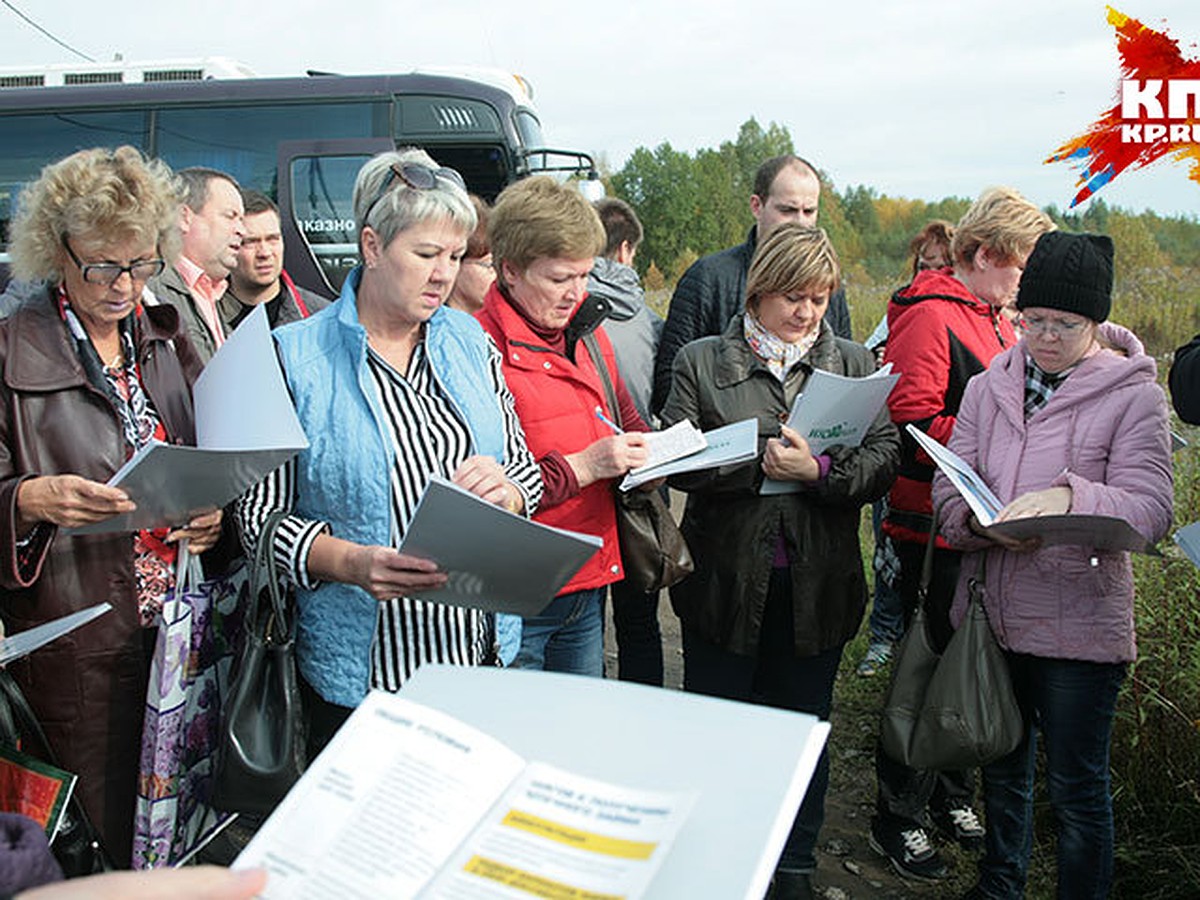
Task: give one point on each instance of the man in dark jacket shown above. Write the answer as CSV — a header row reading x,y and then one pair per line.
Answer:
x,y
259,277
712,290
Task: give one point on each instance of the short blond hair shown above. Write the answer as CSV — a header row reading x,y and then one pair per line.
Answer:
x,y
793,258
538,218
1001,222
95,197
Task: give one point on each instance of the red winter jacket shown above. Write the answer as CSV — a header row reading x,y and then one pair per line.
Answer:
x,y
939,336
556,400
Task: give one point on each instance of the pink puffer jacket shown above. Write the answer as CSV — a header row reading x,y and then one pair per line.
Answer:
x,y
1104,433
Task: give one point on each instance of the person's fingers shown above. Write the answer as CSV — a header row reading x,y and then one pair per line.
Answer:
x,y
187,883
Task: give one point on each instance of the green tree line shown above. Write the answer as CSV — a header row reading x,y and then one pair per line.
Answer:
x,y
696,203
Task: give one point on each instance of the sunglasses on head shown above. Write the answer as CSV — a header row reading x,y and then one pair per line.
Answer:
x,y
417,176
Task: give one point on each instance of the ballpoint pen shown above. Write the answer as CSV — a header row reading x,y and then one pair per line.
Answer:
x,y
609,422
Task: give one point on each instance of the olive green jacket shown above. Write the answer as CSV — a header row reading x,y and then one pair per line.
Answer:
x,y
733,532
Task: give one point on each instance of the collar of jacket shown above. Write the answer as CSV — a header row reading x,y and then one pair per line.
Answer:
x,y
517,335
736,362
939,284
41,355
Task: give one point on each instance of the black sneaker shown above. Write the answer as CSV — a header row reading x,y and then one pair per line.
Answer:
x,y
908,850
789,885
961,825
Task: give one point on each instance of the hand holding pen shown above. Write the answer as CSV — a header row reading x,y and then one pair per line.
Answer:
x,y
609,457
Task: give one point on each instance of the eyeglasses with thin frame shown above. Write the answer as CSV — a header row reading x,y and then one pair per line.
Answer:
x,y
417,176
106,274
484,262
1059,329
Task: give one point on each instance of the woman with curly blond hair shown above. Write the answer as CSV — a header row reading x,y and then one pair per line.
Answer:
x,y
91,374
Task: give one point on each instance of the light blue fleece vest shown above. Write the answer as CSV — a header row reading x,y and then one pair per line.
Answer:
x,y
344,477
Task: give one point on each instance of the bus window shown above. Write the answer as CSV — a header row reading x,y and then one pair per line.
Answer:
x,y
323,207
27,143
243,140
530,129
482,168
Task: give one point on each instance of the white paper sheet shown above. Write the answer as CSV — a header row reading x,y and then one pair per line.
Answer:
x,y
19,645
835,409
727,446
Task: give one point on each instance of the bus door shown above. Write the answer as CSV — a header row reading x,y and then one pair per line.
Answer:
x,y
316,208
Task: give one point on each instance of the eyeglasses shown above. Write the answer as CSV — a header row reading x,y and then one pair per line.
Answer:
x,y
1049,326
481,261
417,176
107,273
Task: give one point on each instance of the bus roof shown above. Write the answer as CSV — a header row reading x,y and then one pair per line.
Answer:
x,y
485,83
121,72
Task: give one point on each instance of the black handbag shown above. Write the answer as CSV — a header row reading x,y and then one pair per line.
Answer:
x,y
956,710
76,845
653,550
261,752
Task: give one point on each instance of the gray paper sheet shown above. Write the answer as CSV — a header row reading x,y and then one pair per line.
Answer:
x,y
497,561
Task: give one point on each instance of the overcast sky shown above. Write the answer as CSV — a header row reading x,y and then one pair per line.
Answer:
x,y
919,99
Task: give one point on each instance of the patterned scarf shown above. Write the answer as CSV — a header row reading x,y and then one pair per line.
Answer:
x,y
1041,385
153,560
779,355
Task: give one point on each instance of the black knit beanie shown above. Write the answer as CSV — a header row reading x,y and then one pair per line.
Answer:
x,y
1071,272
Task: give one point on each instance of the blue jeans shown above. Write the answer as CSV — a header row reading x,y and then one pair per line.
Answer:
x,y
887,606
567,636
775,677
1072,704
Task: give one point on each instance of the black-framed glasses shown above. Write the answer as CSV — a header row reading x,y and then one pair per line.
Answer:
x,y
417,176
106,274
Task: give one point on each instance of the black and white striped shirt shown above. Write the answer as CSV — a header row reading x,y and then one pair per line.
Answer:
x,y
429,439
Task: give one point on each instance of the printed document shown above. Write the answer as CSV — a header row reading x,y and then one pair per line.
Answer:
x,y
1101,532
246,427
725,446
407,801
835,409
680,440
497,561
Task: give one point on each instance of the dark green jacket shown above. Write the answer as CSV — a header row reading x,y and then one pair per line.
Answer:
x,y
732,530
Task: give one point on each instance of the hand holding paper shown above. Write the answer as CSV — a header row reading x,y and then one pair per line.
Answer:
x,y
789,458
69,501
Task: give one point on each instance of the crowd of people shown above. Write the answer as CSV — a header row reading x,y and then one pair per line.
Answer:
x,y
478,343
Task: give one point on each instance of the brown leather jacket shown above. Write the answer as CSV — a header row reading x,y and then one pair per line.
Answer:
x,y
88,688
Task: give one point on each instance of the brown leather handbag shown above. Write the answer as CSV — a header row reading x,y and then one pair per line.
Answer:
x,y
654,553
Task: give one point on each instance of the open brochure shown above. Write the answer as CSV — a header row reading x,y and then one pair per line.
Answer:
x,y
25,642
680,440
725,446
407,801
246,427
497,561
835,409
1100,532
